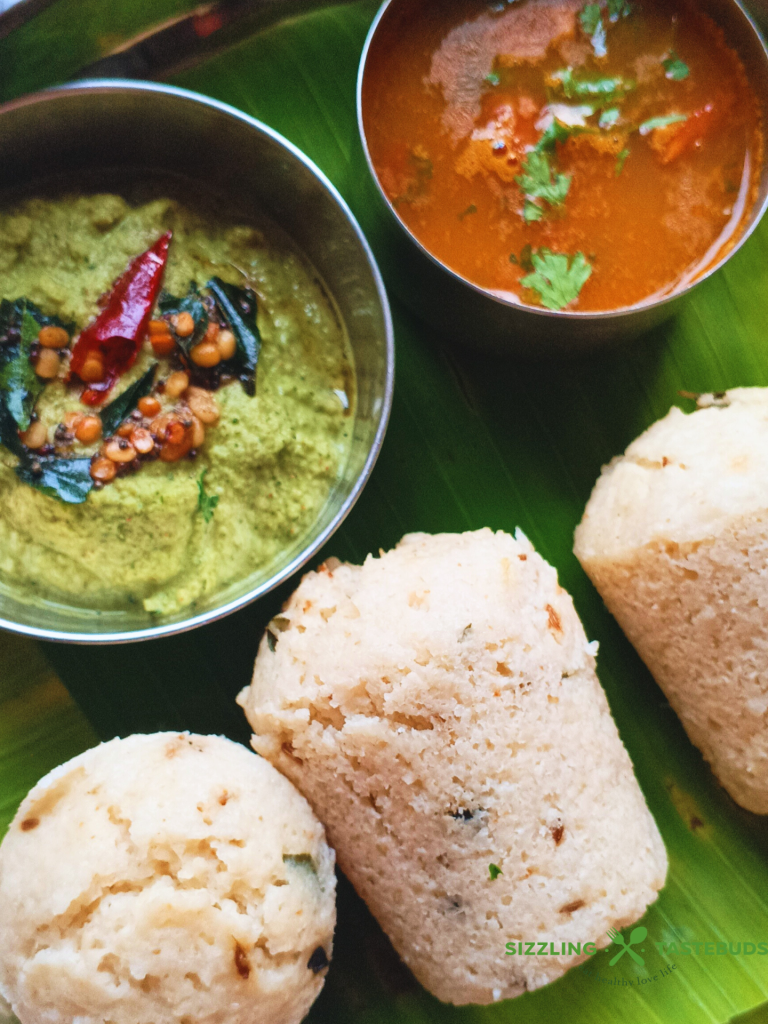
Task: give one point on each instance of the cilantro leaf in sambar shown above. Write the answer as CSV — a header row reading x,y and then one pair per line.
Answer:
x,y
557,279
601,92
618,9
675,69
661,122
539,181
591,20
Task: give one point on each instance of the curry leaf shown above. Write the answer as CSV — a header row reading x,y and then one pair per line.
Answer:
x,y
539,181
676,70
112,415
67,480
9,431
661,122
18,380
191,303
20,323
557,280
206,503
238,306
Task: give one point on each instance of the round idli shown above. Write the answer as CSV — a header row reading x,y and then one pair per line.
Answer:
x,y
171,878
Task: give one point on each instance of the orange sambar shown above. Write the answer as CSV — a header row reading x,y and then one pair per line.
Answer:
x,y
623,136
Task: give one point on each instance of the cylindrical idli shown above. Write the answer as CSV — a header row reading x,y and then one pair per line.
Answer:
x,y
170,878
675,538
439,708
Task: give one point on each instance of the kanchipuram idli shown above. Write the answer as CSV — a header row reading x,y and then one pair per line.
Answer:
x,y
439,708
675,538
169,878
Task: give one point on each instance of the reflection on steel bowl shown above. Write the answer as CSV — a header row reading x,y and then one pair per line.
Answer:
x,y
192,393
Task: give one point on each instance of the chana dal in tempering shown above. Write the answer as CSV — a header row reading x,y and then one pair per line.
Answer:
x,y
566,155
176,400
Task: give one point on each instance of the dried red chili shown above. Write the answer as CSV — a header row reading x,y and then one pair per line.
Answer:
x,y
114,337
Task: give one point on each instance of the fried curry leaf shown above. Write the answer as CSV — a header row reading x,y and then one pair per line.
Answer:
x,y
238,306
206,503
675,69
67,480
18,381
540,181
602,92
661,122
112,415
9,431
557,279
20,324
591,20
191,303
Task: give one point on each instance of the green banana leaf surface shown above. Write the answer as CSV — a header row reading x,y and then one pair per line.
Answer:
x,y
474,441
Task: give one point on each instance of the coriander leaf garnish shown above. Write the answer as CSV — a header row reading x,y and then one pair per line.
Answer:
x,y
591,20
608,118
676,70
469,210
68,480
206,503
531,212
619,9
621,159
112,415
539,181
492,78
557,132
494,871
238,306
602,92
557,280
661,122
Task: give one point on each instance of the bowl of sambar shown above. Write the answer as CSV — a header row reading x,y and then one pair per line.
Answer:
x,y
560,175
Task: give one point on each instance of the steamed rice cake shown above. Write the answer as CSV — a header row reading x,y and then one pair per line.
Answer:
x,y
439,708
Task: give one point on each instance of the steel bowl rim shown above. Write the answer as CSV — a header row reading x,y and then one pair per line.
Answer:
x,y
110,85
565,315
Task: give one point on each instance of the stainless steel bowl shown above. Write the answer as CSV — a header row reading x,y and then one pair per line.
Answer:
x,y
475,316
152,129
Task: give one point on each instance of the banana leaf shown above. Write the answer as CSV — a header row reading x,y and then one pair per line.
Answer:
x,y
474,441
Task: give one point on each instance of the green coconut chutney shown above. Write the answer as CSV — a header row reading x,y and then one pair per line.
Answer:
x,y
272,459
